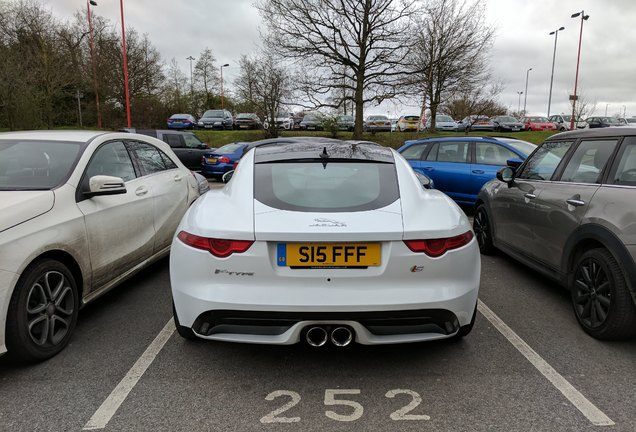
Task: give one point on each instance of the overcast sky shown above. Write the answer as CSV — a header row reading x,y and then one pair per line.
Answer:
x,y
607,74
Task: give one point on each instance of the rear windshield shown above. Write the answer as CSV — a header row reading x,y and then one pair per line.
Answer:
x,y
334,187
213,114
36,165
411,118
229,148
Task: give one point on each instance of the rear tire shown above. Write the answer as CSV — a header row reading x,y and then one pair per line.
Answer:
x,y
184,332
601,300
42,312
483,231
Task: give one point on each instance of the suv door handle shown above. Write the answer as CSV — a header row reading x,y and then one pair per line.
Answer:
x,y
529,195
478,171
141,190
575,202
177,178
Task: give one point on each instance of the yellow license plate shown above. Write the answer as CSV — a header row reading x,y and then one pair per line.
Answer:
x,y
329,254
211,160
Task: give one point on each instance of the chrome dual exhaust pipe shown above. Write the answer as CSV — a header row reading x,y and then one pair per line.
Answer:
x,y
341,336
318,336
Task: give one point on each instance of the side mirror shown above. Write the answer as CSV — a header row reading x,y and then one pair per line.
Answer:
x,y
506,175
227,176
100,185
425,181
203,146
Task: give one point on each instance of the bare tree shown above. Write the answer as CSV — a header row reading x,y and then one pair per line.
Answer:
x,y
357,46
206,76
450,54
265,84
478,101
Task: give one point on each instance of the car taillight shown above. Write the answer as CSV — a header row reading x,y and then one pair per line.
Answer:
x,y
224,159
221,248
235,165
438,247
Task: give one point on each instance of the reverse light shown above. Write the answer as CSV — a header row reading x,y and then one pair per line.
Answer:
x,y
438,247
221,248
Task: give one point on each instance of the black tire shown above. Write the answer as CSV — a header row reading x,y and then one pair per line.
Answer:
x,y
464,330
184,332
483,230
42,312
601,300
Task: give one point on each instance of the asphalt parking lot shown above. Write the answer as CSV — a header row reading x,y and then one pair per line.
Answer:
x,y
526,366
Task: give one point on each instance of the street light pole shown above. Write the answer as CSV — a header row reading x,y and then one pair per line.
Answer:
x,y
225,65
525,96
519,102
191,85
123,40
578,58
90,38
606,105
556,35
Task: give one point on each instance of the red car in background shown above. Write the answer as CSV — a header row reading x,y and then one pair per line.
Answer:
x,y
538,124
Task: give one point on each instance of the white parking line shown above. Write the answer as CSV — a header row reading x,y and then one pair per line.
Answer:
x,y
110,406
589,410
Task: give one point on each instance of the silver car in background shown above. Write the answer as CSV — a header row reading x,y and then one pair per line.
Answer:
x,y
568,212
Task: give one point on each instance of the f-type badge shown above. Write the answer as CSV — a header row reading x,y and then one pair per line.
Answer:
x,y
322,222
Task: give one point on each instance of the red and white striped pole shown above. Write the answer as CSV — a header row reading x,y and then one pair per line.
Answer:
x,y
123,38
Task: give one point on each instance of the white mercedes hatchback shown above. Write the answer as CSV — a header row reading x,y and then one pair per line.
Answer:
x,y
325,243
79,213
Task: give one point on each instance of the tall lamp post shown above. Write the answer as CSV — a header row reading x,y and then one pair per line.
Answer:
x,y
90,32
556,35
525,96
578,58
191,85
225,65
123,40
519,102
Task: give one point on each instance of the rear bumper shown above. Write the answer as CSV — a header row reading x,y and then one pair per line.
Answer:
x,y
437,300
219,169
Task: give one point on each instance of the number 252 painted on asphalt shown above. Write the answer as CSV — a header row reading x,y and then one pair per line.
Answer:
x,y
330,400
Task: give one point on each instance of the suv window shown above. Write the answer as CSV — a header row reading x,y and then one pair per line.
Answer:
x,y
173,140
333,187
452,151
149,157
545,160
111,159
492,154
588,161
192,141
414,152
625,172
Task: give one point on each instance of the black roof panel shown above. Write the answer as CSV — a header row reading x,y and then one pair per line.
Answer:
x,y
312,148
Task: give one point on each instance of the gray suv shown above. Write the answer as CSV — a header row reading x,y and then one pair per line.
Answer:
x,y
569,212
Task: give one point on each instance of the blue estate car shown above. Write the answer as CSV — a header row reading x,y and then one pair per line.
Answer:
x,y
460,166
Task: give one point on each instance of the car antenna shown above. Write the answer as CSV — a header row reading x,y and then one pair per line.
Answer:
x,y
324,155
